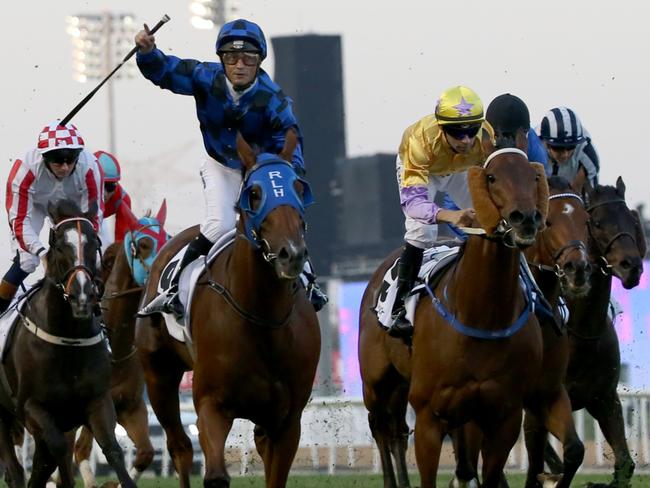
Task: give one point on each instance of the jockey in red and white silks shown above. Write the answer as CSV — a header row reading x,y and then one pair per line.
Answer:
x,y
59,168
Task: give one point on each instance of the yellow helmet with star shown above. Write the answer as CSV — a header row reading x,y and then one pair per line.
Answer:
x,y
459,105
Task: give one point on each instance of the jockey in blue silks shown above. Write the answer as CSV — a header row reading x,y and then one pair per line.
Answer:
x,y
233,96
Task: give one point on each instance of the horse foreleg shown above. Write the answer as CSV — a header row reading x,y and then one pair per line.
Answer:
x,y
43,465
559,422
428,442
214,426
378,423
101,420
536,438
136,423
467,446
163,375
51,445
14,472
280,452
399,433
82,449
609,414
498,440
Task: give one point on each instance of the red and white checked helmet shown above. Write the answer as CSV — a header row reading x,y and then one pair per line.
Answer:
x,y
57,136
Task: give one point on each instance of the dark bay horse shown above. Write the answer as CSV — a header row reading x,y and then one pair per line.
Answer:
x,y
255,336
616,247
125,270
455,378
57,369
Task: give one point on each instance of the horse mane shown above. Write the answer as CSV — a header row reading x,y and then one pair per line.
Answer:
x,y
65,209
559,183
504,140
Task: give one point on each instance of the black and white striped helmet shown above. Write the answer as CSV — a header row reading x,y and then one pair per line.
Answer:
x,y
561,127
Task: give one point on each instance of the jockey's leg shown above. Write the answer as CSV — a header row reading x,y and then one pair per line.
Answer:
x,y
220,190
14,278
408,267
308,278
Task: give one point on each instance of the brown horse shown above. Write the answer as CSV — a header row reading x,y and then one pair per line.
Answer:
x,y
616,246
455,378
125,270
255,336
57,370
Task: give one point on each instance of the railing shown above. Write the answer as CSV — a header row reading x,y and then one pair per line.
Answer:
x,y
335,437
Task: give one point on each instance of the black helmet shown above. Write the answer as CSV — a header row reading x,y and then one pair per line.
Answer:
x,y
507,114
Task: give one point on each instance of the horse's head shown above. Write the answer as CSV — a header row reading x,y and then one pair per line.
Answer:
x,y
616,232
510,196
73,256
272,205
144,240
562,242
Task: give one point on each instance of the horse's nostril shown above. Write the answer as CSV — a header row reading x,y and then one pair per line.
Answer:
x,y
538,217
569,267
625,264
516,217
284,254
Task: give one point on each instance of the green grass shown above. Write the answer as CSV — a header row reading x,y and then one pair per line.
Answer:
x,y
364,481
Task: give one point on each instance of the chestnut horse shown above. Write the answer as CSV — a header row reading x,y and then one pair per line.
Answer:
x,y
457,378
125,270
57,369
255,336
616,246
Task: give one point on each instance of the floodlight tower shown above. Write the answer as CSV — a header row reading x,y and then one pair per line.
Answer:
x,y
100,42
208,14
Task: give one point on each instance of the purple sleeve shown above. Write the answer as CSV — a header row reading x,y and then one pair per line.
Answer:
x,y
417,205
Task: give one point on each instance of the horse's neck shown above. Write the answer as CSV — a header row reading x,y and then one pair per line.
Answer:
x,y
119,312
488,273
255,286
588,314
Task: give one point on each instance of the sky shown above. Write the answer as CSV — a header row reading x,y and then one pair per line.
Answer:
x,y
398,56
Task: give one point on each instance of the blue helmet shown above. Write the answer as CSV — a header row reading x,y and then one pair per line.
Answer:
x,y
243,30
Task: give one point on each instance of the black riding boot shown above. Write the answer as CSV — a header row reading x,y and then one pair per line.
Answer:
x,y
169,301
407,272
200,246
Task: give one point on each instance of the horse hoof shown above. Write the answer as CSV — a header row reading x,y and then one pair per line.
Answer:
x,y
549,480
110,484
456,483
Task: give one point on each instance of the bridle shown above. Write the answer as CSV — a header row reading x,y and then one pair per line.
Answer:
x,y
604,265
65,284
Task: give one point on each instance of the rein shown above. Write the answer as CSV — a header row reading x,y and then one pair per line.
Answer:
x,y
118,294
225,293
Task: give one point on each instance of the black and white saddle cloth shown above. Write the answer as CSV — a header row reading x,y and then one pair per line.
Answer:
x,y
434,260
187,283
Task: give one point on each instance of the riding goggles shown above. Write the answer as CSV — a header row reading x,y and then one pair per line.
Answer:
x,y
249,59
460,131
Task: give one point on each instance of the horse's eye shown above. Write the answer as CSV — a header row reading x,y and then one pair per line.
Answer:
x,y
491,178
596,224
254,197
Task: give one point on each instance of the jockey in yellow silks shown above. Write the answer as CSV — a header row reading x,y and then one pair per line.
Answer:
x,y
434,156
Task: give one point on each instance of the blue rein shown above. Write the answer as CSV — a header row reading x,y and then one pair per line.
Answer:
x,y
482,333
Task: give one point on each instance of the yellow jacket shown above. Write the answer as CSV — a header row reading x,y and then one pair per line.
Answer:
x,y
425,151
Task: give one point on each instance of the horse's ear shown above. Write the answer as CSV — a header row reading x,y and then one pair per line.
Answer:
x,y
53,212
92,210
488,143
542,192
161,216
487,214
521,141
245,152
290,143
639,235
578,182
127,215
620,187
